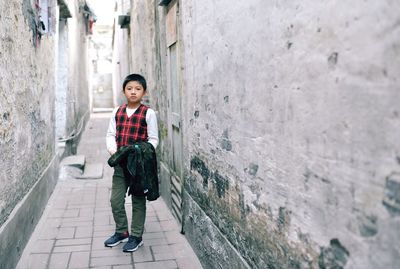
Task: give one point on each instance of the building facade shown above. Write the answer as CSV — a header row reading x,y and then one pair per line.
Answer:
x,y
43,103
279,126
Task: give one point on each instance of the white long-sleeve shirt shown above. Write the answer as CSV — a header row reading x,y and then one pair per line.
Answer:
x,y
152,129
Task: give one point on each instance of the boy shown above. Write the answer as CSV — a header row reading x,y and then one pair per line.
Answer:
x,y
130,123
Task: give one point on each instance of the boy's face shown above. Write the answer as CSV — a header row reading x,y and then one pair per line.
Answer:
x,y
134,92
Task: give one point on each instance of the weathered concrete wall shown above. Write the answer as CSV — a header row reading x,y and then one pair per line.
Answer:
x,y
27,104
121,64
290,129
122,58
72,95
28,76
62,98
292,124
149,53
141,49
136,50
78,75
27,81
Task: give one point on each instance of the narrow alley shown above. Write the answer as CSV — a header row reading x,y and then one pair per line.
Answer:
x,y
270,134
77,220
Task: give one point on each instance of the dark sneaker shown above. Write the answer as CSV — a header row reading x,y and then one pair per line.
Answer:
x,y
116,239
133,244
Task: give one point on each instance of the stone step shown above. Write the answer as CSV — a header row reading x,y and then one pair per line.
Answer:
x,y
75,166
75,161
91,171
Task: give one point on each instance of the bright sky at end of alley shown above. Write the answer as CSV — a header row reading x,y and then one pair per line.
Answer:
x,y
104,11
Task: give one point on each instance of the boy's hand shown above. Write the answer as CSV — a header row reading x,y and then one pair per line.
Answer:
x,y
112,152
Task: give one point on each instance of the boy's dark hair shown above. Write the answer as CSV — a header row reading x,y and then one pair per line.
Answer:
x,y
135,77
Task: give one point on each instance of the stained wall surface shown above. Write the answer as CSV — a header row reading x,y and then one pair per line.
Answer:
x,y
29,76
27,103
293,122
290,126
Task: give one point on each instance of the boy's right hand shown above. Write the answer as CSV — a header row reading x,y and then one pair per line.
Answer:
x,y
112,152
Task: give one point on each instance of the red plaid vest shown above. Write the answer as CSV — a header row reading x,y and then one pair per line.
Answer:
x,y
133,129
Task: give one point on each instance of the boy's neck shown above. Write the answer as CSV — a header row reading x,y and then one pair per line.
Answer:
x,y
133,105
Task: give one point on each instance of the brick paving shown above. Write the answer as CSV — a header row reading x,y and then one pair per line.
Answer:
x,y
78,219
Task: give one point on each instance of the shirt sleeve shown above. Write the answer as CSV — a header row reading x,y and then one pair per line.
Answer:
x,y
111,132
152,127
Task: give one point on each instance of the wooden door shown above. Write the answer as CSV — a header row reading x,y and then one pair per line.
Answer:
x,y
174,96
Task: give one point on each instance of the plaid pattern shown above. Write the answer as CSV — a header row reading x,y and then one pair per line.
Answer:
x,y
133,129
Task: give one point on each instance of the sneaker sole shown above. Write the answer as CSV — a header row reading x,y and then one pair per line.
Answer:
x,y
115,244
133,249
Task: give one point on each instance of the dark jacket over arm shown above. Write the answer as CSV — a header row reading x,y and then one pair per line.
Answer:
x,y
139,162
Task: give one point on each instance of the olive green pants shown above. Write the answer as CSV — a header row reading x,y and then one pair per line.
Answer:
x,y
118,193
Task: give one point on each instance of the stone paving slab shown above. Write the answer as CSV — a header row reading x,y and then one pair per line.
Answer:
x,y
78,219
